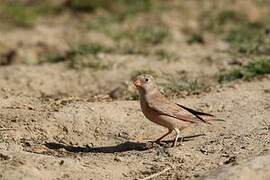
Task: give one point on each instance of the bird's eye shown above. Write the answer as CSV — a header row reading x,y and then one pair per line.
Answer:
x,y
146,79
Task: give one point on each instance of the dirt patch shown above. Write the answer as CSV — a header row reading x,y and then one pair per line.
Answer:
x,y
66,100
74,139
256,168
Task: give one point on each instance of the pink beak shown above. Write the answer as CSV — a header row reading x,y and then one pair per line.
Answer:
x,y
137,83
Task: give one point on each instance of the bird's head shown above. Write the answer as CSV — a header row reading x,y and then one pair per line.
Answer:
x,y
144,83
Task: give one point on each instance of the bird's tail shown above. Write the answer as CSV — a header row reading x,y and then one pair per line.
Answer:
x,y
205,117
208,119
194,112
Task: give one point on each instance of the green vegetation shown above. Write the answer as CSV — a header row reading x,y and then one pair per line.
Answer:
x,y
164,55
244,36
121,8
82,55
253,69
123,22
248,39
76,56
176,88
133,40
127,8
91,48
132,49
195,38
221,20
150,34
106,23
85,55
26,13
52,57
87,5
146,34
176,85
22,15
88,62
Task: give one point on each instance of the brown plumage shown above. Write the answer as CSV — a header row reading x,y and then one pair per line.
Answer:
x,y
158,109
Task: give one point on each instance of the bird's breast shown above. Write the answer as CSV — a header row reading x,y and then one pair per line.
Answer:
x,y
154,116
148,111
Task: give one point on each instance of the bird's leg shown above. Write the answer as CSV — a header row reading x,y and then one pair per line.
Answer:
x,y
181,140
163,136
176,137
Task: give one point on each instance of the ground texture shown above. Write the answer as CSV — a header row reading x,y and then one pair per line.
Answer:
x,y
68,109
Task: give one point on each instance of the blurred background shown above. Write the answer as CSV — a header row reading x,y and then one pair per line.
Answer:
x,y
92,48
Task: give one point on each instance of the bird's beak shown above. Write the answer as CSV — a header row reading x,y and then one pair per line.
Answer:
x,y
137,83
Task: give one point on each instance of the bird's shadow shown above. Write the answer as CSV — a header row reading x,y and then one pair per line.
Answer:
x,y
123,147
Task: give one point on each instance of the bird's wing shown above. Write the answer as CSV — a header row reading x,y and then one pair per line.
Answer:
x,y
194,111
163,106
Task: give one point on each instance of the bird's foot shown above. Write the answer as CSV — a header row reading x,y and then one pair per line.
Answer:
x,y
177,144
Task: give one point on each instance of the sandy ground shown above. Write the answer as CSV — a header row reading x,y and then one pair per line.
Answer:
x,y
60,123
74,139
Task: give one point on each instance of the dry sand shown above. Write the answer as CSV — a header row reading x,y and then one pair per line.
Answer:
x,y
71,138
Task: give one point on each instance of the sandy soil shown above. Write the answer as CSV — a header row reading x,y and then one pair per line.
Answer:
x,y
57,122
75,139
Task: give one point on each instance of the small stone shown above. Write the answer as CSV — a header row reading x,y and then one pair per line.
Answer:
x,y
5,157
62,150
118,159
61,162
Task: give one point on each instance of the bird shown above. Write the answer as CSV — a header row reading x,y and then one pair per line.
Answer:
x,y
164,112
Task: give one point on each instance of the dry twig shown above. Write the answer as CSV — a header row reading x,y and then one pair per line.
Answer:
x,y
6,129
157,174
